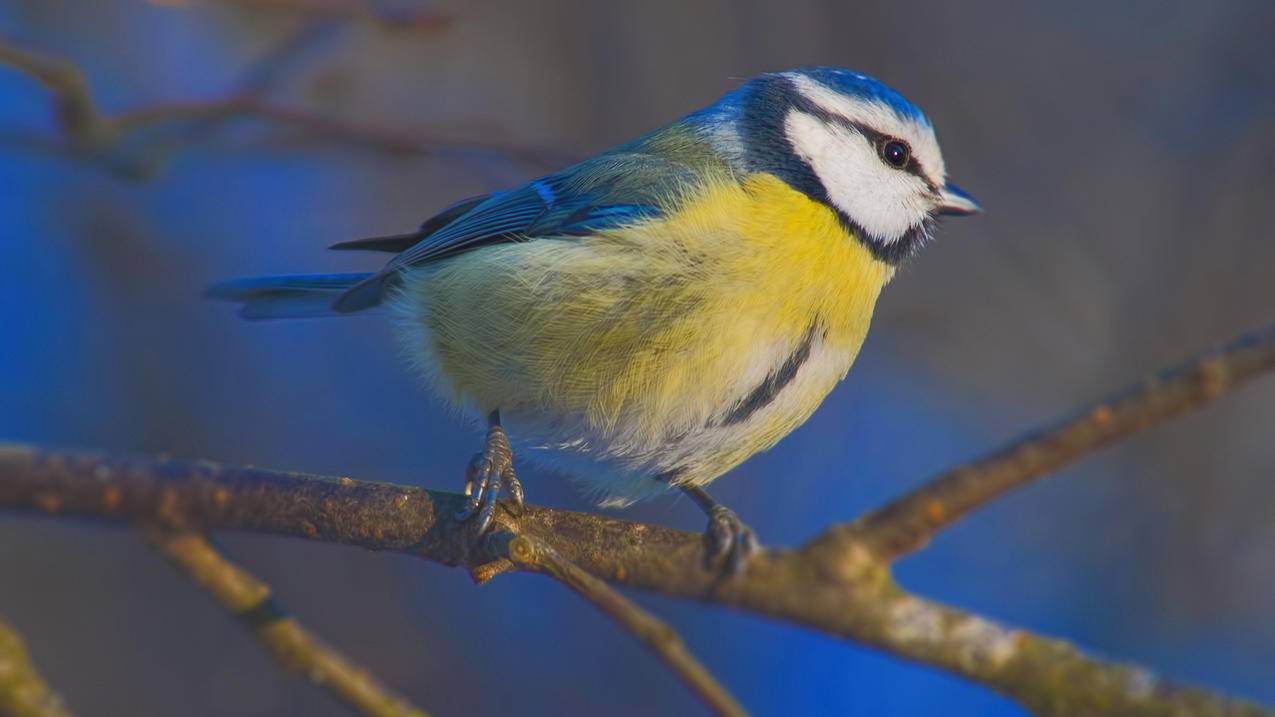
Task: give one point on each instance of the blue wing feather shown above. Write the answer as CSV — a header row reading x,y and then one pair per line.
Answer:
x,y
399,243
598,219
613,189
541,208
290,296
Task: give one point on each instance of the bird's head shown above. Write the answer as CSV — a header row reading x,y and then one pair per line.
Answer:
x,y
850,142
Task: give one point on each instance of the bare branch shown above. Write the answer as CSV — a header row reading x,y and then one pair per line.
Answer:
x,y
531,554
73,105
847,593
420,19
334,128
89,134
23,693
292,646
909,522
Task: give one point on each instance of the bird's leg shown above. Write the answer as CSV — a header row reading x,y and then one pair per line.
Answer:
x,y
489,473
727,537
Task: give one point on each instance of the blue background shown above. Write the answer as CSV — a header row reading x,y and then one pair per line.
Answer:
x,y
1124,154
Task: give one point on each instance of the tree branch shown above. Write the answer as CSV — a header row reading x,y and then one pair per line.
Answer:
x,y
23,693
533,555
86,133
839,583
294,647
845,593
403,19
382,139
908,523
74,109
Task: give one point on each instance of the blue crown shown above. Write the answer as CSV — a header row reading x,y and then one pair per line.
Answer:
x,y
859,85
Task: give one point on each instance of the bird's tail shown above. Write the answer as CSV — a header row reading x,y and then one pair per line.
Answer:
x,y
293,296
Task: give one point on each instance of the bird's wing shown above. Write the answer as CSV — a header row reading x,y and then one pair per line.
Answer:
x,y
397,243
610,190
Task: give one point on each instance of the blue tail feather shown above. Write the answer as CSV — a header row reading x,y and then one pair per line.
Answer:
x,y
286,297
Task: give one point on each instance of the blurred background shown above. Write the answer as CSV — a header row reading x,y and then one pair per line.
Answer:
x,y
1126,157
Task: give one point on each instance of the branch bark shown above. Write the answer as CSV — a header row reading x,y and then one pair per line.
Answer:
x,y
838,583
908,523
535,556
847,593
293,646
23,693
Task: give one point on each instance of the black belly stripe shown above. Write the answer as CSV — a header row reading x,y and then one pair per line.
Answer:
x,y
766,391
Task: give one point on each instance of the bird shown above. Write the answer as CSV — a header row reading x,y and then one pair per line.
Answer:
x,y
646,319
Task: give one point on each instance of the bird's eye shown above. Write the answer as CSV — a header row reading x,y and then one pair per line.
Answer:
x,y
896,153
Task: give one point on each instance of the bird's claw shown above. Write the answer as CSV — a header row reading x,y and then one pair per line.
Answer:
x,y
728,539
487,475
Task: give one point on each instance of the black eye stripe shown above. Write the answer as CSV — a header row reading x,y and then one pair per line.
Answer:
x,y
875,138
879,139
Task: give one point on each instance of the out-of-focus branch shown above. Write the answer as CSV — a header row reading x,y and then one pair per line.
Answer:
x,y
909,522
411,19
73,105
293,646
334,128
530,554
86,133
23,693
839,584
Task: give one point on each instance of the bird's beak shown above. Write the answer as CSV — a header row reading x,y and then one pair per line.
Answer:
x,y
953,201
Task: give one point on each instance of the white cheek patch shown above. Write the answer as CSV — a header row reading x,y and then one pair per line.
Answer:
x,y
886,202
881,118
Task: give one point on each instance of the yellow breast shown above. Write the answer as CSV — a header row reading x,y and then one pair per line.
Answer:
x,y
633,339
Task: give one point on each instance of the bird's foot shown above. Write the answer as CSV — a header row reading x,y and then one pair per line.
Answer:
x,y
728,540
488,474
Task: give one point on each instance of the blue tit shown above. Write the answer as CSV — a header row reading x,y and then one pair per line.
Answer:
x,y
649,318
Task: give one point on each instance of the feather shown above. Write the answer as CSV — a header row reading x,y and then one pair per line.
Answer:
x,y
392,243
685,343
397,243
609,191
291,296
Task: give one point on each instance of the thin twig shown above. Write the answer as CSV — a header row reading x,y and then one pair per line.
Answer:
x,y
909,522
23,693
417,19
86,133
292,645
534,555
267,73
372,137
76,113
